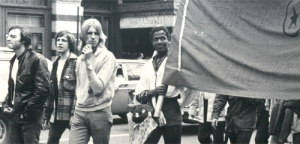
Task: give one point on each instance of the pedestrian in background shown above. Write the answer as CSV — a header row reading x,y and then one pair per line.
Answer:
x,y
95,72
28,85
201,110
241,117
59,105
285,120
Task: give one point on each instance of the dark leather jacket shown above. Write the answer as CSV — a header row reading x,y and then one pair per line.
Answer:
x,y
241,114
32,84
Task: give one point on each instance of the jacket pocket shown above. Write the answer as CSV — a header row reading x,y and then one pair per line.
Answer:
x,y
69,82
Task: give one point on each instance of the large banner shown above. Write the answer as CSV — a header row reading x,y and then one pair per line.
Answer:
x,y
248,48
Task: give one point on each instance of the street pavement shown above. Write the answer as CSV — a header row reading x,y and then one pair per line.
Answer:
x,y
119,134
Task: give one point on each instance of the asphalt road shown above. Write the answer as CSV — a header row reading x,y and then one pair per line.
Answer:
x,y
119,134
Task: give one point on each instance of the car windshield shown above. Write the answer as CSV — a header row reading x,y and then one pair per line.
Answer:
x,y
134,71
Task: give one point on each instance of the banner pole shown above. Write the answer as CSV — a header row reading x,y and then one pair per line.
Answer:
x,y
158,105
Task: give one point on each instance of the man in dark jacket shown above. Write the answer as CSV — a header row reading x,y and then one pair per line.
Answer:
x,y
28,86
241,116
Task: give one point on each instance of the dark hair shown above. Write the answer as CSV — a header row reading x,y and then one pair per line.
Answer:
x,y
159,28
25,35
70,38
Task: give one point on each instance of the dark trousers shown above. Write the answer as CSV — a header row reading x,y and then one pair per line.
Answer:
x,y
296,138
242,137
25,130
171,134
262,134
56,129
275,138
205,129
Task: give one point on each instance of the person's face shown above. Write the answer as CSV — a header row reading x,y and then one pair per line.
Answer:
x,y
93,36
62,44
14,39
160,41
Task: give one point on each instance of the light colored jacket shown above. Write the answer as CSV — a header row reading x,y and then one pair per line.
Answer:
x,y
197,107
150,80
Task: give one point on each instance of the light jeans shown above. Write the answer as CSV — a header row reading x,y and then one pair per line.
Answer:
x,y
91,123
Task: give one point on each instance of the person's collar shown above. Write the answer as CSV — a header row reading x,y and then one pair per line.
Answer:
x,y
22,55
99,50
156,55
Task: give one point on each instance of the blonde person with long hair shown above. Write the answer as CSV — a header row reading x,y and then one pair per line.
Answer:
x,y
95,72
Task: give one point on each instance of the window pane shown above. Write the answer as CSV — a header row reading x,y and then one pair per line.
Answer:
x,y
12,20
36,41
134,71
36,21
23,20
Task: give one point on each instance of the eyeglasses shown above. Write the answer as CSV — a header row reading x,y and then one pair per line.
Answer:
x,y
11,36
156,39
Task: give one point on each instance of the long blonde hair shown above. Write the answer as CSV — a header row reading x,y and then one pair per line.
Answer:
x,y
84,28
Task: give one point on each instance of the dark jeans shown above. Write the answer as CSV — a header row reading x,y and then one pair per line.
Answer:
x,y
242,137
171,134
262,135
91,123
56,130
25,130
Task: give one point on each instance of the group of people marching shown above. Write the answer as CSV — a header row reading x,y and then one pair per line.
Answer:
x,y
76,93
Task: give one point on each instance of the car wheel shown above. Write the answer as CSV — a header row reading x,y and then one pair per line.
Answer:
x,y
123,116
3,129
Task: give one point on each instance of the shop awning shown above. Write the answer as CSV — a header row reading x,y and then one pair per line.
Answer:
x,y
147,21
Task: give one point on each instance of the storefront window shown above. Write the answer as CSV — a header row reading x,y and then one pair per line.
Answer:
x,y
37,41
25,20
34,23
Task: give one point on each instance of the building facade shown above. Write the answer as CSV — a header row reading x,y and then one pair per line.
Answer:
x,y
127,23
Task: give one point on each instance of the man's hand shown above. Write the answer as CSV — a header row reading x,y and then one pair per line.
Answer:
x,y
214,123
87,52
71,120
8,111
160,90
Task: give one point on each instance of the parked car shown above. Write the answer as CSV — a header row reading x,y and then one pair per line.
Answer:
x,y
5,55
185,115
128,75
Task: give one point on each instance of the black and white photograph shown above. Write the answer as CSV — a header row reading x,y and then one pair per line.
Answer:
x,y
150,72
